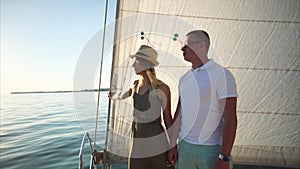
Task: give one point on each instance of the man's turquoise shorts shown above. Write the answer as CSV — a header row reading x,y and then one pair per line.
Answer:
x,y
191,156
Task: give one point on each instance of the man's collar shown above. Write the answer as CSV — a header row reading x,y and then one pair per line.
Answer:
x,y
208,64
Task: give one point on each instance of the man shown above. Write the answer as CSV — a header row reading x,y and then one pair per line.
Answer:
x,y
205,119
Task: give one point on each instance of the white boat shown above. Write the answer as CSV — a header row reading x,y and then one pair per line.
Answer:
x,y
257,40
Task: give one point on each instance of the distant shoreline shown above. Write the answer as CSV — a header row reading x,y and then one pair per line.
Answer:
x,y
64,91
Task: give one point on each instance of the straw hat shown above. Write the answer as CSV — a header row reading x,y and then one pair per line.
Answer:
x,y
147,53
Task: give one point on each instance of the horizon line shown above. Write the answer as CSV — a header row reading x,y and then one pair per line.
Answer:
x,y
62,91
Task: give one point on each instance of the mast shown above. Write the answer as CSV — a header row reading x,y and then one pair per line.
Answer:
x,y
105,155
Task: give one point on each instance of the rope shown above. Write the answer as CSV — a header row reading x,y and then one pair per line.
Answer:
x,y
102,53
215,18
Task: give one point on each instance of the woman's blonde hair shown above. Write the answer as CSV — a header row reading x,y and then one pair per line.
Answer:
x,y
151,74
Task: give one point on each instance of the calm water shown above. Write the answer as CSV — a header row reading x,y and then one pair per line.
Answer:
x,y
42,131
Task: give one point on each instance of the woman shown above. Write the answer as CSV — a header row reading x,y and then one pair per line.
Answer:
x,y
150,97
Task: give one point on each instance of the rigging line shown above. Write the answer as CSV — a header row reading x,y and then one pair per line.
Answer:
x,y
232,67
253,68
254,147
273,113
258,148
213,18
160,66
100,78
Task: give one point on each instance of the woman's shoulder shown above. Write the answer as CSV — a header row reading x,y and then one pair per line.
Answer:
x,y
163,86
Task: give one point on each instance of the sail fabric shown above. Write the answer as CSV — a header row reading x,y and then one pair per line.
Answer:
x,y
257,40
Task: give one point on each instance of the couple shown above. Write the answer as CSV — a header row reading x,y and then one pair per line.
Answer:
x,y
204,123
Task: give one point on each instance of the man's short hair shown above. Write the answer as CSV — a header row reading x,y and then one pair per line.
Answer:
x,y
201,35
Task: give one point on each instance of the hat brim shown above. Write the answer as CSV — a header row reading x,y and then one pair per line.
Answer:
x,y
154,62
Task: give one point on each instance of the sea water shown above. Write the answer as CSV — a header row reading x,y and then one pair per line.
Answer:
x,y
44,131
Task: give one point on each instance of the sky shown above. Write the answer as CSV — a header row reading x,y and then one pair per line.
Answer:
x,y
41,41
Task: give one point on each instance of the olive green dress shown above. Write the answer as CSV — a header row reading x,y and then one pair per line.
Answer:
x,y
149,141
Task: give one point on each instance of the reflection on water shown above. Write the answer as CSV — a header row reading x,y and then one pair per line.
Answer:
x,y
43,131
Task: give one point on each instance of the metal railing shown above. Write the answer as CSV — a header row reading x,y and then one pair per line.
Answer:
x,y
81,164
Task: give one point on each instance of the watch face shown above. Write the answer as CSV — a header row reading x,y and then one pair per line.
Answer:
x,y
224,158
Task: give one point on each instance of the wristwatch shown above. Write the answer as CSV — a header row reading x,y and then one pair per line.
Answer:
x,y
224,158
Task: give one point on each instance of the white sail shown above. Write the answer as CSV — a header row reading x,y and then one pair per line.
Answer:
x,y
258,40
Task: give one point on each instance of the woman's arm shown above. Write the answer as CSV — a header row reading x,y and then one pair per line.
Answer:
x,y
124,95
165,97
172,154
120,96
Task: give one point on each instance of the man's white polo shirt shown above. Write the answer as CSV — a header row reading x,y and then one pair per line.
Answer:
x,y
200,91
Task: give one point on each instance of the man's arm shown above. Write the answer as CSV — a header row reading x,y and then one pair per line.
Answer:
x,y
230,124
229,129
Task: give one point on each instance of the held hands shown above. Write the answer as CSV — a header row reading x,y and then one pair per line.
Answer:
x,y
173,159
